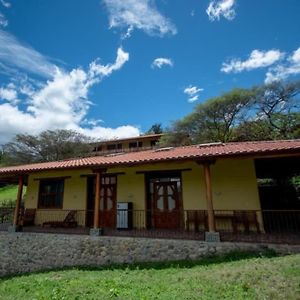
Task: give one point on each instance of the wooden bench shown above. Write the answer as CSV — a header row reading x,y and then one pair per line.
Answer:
x,y
245,218
27,218
68,222
196,218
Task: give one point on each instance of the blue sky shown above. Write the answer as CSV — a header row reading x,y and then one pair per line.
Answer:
x,y
112,68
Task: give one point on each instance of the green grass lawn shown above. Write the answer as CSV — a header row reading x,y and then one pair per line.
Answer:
x,y
247,278
8,194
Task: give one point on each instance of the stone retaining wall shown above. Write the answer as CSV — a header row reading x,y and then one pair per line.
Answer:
x,y
27,252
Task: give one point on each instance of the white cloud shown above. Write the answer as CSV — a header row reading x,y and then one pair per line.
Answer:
x,y
61,103
5,3
295,57
257,59
280,65
193,93
192,90
281,72
9,93
219,8
3,21
16,55
161,61
128,33
96,69
193,99
111,133
138,14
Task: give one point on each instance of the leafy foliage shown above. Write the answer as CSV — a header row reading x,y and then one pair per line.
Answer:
x,y
47,146
277,104
155,129
260,113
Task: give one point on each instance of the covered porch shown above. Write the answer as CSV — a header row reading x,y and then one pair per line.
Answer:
x,y
194,200
286,224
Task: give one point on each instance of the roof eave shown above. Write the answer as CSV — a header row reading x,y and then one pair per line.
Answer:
x,y
198,158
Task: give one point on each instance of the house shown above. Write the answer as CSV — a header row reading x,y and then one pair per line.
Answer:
x,y
142,142
214,189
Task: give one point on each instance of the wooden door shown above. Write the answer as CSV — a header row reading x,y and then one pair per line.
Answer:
x,y
108,201
165,209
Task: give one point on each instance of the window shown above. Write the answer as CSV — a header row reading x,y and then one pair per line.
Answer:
x,y
51,193
135,145
111,147
107,180
98,148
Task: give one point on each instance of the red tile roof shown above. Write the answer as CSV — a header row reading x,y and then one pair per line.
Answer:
x,y
156,136
195,152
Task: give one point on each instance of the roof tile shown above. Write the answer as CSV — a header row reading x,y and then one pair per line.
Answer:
x,y
203,151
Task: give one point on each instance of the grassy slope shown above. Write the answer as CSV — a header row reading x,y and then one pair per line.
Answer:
x,y
252,278
9,193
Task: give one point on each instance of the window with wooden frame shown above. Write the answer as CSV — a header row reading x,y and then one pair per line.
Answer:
x,y
114,147
111,147
133,145
51,193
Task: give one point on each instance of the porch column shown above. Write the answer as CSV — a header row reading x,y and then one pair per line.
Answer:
x,y
211,235
96,230
209,198
97,200
15,228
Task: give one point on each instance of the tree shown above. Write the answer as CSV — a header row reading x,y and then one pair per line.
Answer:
x,y
155,129
174,139
47,146
214,120
278,104
261,113
257,130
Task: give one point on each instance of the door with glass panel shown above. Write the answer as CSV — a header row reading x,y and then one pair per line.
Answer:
x,y
165,205
108,197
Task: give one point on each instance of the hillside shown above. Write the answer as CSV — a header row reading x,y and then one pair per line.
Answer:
x,y
8,194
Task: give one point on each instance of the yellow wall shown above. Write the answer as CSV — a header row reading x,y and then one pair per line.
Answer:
x,y
146,144
235,188
125,145
74,195
233,183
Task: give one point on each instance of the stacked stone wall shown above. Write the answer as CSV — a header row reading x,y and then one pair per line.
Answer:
x,y
28,252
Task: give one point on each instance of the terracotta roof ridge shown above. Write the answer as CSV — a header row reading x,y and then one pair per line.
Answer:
x,y
211,144
176,147
263,141
216,144
175,153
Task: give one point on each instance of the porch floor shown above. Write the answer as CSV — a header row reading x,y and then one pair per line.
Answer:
x,y
41,229
287,238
